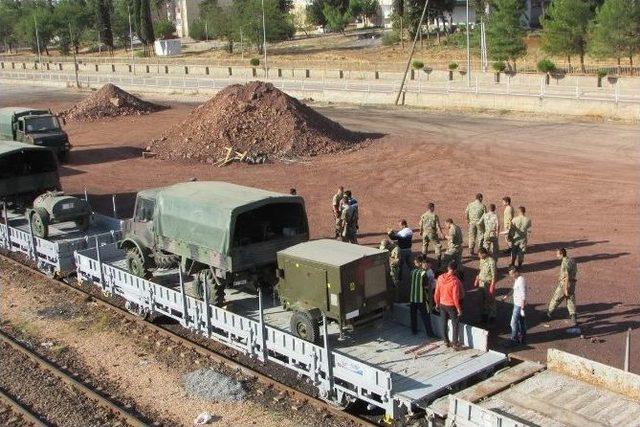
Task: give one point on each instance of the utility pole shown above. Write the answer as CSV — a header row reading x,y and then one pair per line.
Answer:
x,y
468,49
206,31
75,60
264,37
133,60
413,48
35,23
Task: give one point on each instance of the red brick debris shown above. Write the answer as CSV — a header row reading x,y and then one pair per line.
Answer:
x,y
257,119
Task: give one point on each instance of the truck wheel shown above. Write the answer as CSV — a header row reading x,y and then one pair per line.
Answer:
x,y
40,224
305,326
135,264
216,289
82,223
164,260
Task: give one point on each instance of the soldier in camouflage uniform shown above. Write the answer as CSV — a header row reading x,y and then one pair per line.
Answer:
x,y
486,282
473,213
507,216
394,259
491,225
519,236
566,289
335,202
429,226
454,247
349,220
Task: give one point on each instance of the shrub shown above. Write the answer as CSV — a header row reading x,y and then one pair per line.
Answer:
x,y
453,66
254,62
163,28
601,73
390,38
197,30
499,66
546,66
140,53
417,65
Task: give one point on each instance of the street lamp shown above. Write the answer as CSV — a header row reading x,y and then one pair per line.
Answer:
x,y
264,39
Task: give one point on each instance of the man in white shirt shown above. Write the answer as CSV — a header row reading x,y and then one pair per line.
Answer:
x,y
519,292
404,240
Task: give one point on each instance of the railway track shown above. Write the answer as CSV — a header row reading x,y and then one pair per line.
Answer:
x,y
21,411
69,379
267,381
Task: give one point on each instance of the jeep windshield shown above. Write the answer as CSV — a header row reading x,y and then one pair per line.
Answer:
x,y
42,124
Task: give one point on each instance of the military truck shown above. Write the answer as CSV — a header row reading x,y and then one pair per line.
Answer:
x,y
223,234
25,173
34,126
350,284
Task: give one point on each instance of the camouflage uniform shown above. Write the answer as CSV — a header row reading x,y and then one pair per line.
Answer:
x,y
518,235
490,238
486,275
454,248
567,277
507,216
394,260
474,213
337,198
429,223
349,221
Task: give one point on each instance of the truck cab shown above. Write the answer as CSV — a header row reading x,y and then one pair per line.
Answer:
x,y
35,127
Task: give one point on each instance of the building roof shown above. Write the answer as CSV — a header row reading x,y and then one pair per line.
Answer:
x,y
330,252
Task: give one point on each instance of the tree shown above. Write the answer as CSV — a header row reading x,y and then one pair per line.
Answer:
x,y
164,28
120,22
223,23
72,19
103,18
616,30
142,24
278,26
9,13
504,31
39,15
337,20
565,28
364,9
314,13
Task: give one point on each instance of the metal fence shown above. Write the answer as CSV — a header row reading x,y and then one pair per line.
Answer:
x,y
611,93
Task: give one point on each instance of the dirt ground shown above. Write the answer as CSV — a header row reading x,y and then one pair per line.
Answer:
x,y
578,180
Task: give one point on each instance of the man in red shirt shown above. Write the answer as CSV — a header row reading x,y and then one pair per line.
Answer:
x,y
448,300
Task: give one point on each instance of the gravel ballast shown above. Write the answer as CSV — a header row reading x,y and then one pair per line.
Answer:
x,y
208,384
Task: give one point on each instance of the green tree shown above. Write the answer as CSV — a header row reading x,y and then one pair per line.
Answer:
x,y
364,9
164,28
73,19
103,22
9,13
277,23
505,31
616,30
142,24
565,28
337,19
223,23
314,13
40,15
120,22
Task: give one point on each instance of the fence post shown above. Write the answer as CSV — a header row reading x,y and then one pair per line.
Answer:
x,y
263,338
207,312
185,315
33,253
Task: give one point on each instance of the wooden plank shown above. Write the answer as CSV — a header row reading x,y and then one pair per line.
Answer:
x,y
552,411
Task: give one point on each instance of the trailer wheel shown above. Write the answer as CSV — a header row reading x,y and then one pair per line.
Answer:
x,y
305,326
82,223
135,263
40,223
216,287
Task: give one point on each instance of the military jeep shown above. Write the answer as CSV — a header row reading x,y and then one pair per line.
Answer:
x,y
221,234
56,207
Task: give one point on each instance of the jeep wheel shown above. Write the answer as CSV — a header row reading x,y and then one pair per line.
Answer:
x,y
82,223
305,326
164,260
135,264
39,224
216,290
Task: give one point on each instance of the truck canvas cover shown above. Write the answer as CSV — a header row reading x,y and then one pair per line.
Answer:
x,y
26,168
204,213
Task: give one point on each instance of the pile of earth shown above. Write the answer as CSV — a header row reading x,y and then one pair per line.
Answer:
x,y
110,101
255,119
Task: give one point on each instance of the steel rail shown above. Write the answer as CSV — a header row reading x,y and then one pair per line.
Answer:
x,y
21,410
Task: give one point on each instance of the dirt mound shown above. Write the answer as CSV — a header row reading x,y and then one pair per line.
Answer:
x,y
256,120
110,101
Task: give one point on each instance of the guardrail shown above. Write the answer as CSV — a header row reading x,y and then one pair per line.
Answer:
x,y
611,93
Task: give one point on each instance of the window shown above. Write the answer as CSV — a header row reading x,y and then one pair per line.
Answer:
x,y
144,209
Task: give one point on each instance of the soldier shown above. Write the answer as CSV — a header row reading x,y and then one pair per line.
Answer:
x,y
418,297
394,259
349,220
454,246
507,216
337,199
486,281
404,237
429,226
491,226
566,289
519,236
473,213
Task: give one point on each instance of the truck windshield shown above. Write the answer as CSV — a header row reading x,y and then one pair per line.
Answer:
x,y
144,209
42,124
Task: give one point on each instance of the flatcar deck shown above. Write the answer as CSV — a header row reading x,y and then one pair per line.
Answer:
x,y
417,377
64,231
